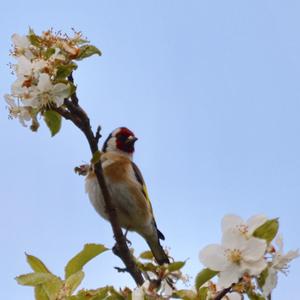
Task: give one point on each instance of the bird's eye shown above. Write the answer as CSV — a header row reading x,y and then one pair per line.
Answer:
x,y
122,138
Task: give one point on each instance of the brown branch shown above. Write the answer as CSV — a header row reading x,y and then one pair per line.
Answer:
x,y
78,116
222,293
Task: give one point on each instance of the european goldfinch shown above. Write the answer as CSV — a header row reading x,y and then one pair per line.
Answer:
x,y
128,190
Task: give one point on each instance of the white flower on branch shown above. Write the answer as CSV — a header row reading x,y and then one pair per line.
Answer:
x,y
16,111
233,296
21,45
236,256
140,292
46,93
236,223
280,263
27,68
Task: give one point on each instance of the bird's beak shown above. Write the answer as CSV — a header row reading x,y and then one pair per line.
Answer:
x,y
131,140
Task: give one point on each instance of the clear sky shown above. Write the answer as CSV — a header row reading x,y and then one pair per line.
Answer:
x,y
211,88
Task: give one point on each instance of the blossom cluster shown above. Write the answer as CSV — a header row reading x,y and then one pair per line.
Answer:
x,y
248,259
43,65
160,280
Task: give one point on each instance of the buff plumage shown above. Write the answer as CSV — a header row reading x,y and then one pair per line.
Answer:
x,y
127,188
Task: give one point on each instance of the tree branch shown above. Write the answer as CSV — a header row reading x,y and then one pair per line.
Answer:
x,y
78,116
222,293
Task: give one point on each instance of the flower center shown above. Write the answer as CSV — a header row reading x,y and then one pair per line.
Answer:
x,y
243,228
234,255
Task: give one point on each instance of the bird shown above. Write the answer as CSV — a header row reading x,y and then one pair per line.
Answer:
x,y
128,191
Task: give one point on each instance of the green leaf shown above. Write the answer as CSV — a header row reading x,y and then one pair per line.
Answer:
x,y
63,71
96,157
185,295
73,88
203,293
204,276
34,279
39,293
36,264
97,294
53,121
147,255
254,296
175,266
147,267
261,280
86,51
48,53
34,39
74,281
78,261
268,230
53,287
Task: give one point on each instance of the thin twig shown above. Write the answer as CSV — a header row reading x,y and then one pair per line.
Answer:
x,y
222,293
98,134
78,116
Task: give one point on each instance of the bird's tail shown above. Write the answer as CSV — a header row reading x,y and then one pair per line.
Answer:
x,y
158,252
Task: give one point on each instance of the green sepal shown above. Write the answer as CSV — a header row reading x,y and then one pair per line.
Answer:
x,y
204,276
175,266
84,256
87,51
53,121
268,230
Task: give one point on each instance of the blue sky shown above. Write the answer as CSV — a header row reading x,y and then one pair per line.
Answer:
x,y
211,88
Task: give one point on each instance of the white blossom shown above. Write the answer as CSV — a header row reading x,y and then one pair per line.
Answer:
x,y
45,93
22,45
233,296
16,111
234,222
234,257
26,68
280,263
140,292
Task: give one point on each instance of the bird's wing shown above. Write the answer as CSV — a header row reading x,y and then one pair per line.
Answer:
x,y
140,179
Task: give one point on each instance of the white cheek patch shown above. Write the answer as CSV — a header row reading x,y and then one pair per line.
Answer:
x,y
111,144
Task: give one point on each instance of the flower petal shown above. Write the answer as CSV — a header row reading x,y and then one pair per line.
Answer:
x,y
61,90
233,240
254,249
234,296
231,221
20,41
270,283
254,267
44,84
213,257
255,221
231,275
